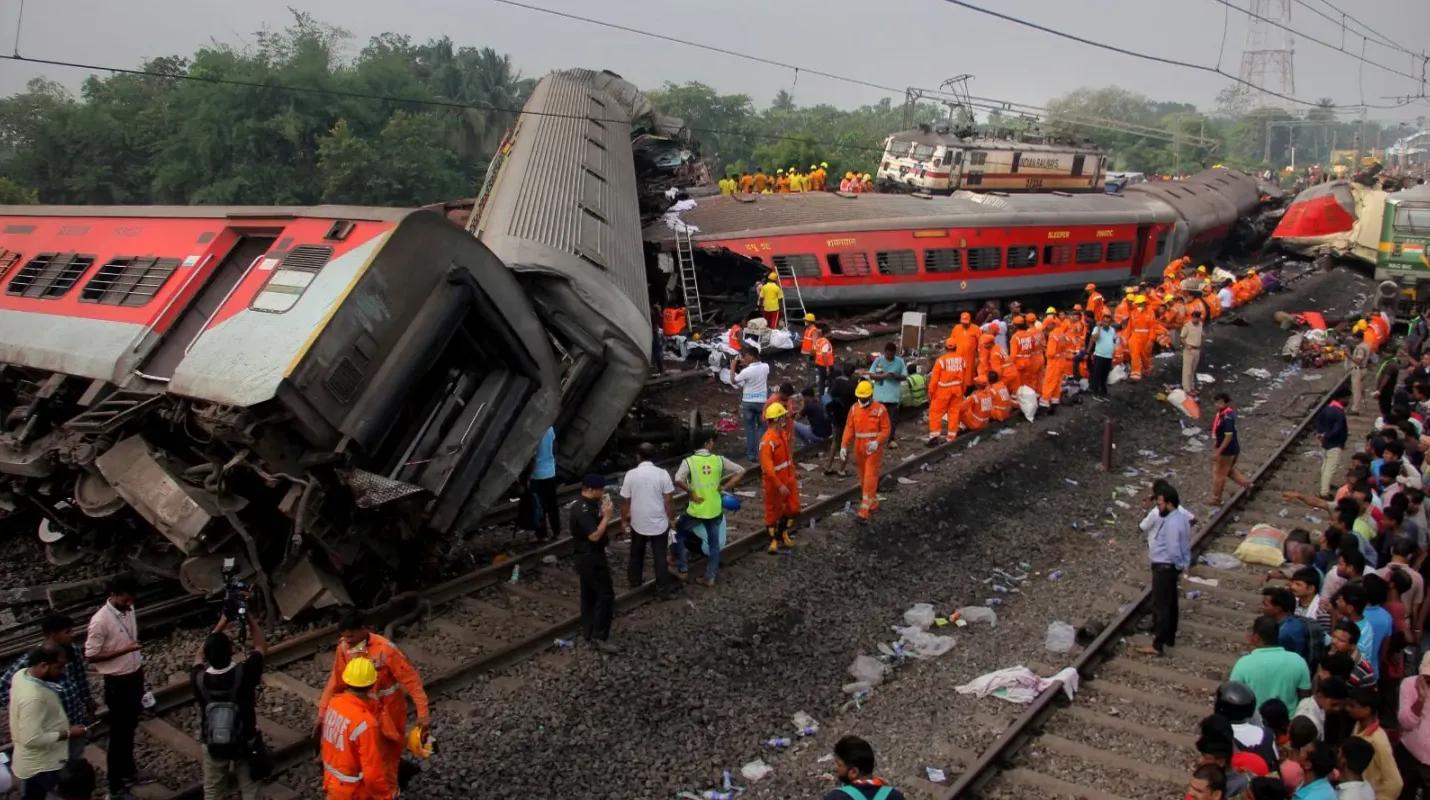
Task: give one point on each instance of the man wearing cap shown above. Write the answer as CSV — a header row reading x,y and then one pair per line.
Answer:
x,y
811,335
589,522
703,476
867,431
1139,337
965,342
1095,302
353,767
1191,334
772,298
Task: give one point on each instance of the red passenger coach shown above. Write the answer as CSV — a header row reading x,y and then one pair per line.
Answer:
x,y
881,248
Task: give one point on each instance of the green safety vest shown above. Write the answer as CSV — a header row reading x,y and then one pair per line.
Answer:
x,y
915,391
705,474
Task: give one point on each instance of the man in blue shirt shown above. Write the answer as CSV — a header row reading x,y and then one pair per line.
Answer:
x,y
1332,430
1293,633
543,487
888,374
1376,592
1169,537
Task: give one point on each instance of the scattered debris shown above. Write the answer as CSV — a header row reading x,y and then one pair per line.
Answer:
x,y
1257,372
1018,684
1221,561
756,771
1061,637
1202,377
935,775
1212,582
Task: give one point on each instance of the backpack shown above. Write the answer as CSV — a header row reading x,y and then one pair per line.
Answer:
x,y
223,728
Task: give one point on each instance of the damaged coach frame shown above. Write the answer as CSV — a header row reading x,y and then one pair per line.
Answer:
x,y
313,390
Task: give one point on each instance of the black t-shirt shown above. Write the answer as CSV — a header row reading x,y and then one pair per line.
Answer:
x,y
841,399
818,419
219,687
584,520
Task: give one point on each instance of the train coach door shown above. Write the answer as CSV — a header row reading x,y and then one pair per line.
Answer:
x,y
1143,249
220,283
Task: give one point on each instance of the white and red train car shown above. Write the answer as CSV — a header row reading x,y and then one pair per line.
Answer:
x,y
852,250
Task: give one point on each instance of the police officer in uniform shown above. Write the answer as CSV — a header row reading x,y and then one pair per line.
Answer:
x,y
591,516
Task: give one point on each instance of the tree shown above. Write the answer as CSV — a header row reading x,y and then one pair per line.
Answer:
x,y
13,194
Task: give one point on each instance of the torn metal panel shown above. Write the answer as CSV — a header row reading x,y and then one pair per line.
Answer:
x,y
180,512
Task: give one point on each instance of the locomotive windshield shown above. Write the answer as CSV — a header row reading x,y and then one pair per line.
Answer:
x,y
1413,220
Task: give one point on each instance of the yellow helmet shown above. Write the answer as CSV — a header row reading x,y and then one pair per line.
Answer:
x,y
774,276
863,390
848,175
1139,298
824,164
1202,269
1051,310
360,673
809,318
780,171
1129,290
1169,297
1359,326
812,167
775,411
1251,271
419,742
866,176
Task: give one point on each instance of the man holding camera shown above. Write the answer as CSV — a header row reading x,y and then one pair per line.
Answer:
x,y
228,719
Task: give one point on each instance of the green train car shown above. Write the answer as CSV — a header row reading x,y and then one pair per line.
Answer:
x,y
1404,238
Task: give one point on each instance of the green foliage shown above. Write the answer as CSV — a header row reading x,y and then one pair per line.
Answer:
x,y
13,194
147,139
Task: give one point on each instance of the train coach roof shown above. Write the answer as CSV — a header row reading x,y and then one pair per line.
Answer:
x,y
828,212
370,213
978,143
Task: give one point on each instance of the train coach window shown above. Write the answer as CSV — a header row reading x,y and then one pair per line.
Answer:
x,y
802,265
1161,243
985,258
1118,252
1089,253
977,158
1412,220
923,152
848,264
8,259
291,278
943,259
897,262
49,275
1022,255
1056,254
128,281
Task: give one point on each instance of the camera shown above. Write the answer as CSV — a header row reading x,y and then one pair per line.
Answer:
x,y
235,597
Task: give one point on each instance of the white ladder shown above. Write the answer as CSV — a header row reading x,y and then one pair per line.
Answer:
x,y
792,302
685,264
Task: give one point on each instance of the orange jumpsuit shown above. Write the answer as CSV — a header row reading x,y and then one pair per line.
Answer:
x,y
1209,297
965,339
1024,345
733,340
1002,401
1122,312
1197,304
1096,304
1174,315
782,184
777,470
747,184
977,408
760,182
867,424
1139,341
946,386
1061,349
992,359
353,765
396,680
811,333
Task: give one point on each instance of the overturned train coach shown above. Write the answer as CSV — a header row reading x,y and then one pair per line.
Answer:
x,y
316,392
866,249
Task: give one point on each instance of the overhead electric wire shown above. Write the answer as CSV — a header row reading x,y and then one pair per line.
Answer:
x,y
1248,12
1156,58
1383,39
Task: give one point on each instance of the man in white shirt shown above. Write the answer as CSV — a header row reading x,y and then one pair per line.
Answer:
x,y
647,506
112,647
753,381
1225,296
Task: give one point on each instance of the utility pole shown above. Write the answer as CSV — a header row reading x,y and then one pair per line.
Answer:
x,y
1266,151
1360,143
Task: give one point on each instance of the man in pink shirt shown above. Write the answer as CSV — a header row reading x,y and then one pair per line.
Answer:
x,y
1412,752
112,647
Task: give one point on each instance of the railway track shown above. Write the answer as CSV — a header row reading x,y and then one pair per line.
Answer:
x,y
458,631
1131,730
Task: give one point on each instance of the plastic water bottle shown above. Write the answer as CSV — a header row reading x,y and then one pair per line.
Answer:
x,y
778,741
563,644
515,574
1055,575
725,782
993,601
711,794
808,730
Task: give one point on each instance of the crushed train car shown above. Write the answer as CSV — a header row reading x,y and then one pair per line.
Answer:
x,y
305,388
1339,219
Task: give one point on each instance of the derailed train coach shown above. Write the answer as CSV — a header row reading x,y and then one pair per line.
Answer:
x,y
560,209
304,389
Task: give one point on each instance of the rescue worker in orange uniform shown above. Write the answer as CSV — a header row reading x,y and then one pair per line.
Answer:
x,y
1060,351
1123,310
396,680
1194,303
1172,316
781,182
867,430
1040,346
777,474
1095,301
761,181
1213,303
353,763
991,357
1027,358
1002,398
1173,270
946,387
823,359
1139,337
965,339
811,334
977,407
732,340
747,183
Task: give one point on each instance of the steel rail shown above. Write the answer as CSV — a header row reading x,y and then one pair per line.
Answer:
x,y
1026,726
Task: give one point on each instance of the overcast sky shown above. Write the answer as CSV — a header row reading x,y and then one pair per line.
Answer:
x,y
891,42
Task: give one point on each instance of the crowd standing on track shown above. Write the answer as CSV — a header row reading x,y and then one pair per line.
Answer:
x,y
1330,699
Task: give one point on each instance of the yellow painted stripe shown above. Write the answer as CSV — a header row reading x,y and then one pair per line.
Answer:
x,y
333,309
1385,247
